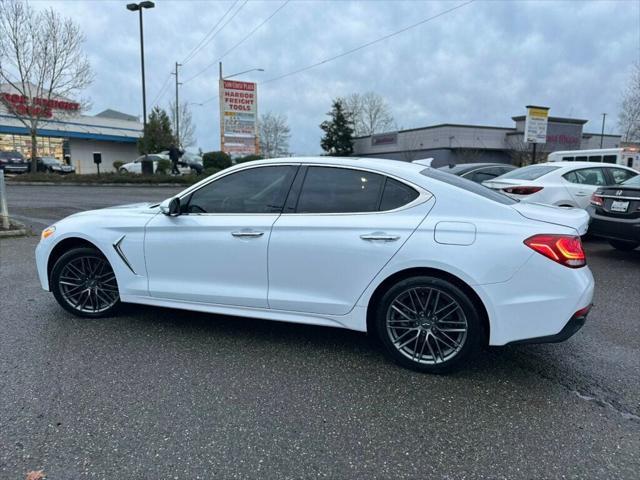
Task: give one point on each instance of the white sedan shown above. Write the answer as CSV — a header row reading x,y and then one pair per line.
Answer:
x,y
136,165
565,184
434,265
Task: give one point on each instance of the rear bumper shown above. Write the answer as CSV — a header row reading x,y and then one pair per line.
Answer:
x,y
536,302
575,323
614,228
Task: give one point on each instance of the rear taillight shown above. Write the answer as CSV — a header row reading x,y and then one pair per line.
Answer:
x,y
522,190
564,249
597,200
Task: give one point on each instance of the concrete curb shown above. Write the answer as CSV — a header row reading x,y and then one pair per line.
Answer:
x,y
69,184
18,230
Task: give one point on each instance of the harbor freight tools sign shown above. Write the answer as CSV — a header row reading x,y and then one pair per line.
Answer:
x,y
238,117
535,125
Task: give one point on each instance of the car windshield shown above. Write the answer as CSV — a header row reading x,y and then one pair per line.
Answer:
x,y
468,185
529,173
634,182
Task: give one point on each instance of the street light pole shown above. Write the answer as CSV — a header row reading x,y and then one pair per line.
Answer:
x,y
604,116
133,7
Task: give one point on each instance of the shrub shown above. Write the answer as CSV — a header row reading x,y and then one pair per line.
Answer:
x,y
210,171
164,166
219,160
117,164
248,158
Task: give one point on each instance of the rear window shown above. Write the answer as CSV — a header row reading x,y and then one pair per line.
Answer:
x,y
530,173
468,185
635,181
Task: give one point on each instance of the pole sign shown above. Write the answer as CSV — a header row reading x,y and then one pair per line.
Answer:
x,y
535,125
238,117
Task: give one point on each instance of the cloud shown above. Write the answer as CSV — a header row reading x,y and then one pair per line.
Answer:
x,y
480,64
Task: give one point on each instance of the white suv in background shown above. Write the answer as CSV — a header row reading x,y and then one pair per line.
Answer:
x,y
565,184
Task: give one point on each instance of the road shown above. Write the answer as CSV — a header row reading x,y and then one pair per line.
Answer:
x,y
159,393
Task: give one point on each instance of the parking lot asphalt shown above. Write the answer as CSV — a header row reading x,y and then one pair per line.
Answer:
x,y
159,393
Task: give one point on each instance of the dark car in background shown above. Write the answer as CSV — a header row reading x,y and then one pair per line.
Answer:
x,y
615,214
478,172
53,165
12,161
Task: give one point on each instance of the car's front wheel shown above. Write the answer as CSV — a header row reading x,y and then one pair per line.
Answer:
x,y
84,283
428,324
625,246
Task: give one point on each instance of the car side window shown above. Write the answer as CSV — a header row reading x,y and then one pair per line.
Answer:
x,y
619,175
489,173
396,194
340,190
255,190
586,176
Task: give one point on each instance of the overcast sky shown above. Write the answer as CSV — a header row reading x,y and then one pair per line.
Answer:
x,y
480,64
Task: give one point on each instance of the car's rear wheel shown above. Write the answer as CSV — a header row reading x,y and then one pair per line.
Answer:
x,y
625,246
428,324
84,283
123,170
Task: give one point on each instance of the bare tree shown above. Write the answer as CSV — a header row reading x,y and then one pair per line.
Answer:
x,y
274,135
521,153
42,61
370,113
187,132
629,117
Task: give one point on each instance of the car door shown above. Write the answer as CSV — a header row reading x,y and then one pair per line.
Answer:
x,y
340,230
215,252
582,183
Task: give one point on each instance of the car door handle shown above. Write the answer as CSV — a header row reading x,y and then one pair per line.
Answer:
x,y
247,234
373,237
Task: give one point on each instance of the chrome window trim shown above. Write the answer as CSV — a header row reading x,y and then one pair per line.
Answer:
x,y
617,198
423,194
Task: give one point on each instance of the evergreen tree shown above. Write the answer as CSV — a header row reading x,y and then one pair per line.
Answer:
x,y
158,135
338,131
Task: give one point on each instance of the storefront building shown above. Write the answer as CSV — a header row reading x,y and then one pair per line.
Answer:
x,y
67,135
453,143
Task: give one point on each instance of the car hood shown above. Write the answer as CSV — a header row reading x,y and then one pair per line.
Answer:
x,y
121,210
575,218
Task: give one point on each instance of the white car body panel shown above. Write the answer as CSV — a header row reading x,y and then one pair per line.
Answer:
x,y
556,189
315,268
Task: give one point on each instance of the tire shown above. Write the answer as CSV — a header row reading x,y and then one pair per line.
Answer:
x,y
624,245
85,267
437,348
123,170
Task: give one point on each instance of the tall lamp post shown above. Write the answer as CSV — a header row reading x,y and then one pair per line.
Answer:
x,y
138,7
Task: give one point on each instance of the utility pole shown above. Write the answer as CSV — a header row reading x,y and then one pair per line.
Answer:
x,y
221,100
177,106
604,116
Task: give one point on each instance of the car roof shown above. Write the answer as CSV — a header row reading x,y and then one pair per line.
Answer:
x,y
582,164
398,167
480,164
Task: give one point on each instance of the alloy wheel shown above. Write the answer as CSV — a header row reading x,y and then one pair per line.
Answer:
x,y
426,325
88,284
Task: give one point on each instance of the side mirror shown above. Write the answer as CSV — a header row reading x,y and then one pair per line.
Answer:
x,y
171,207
